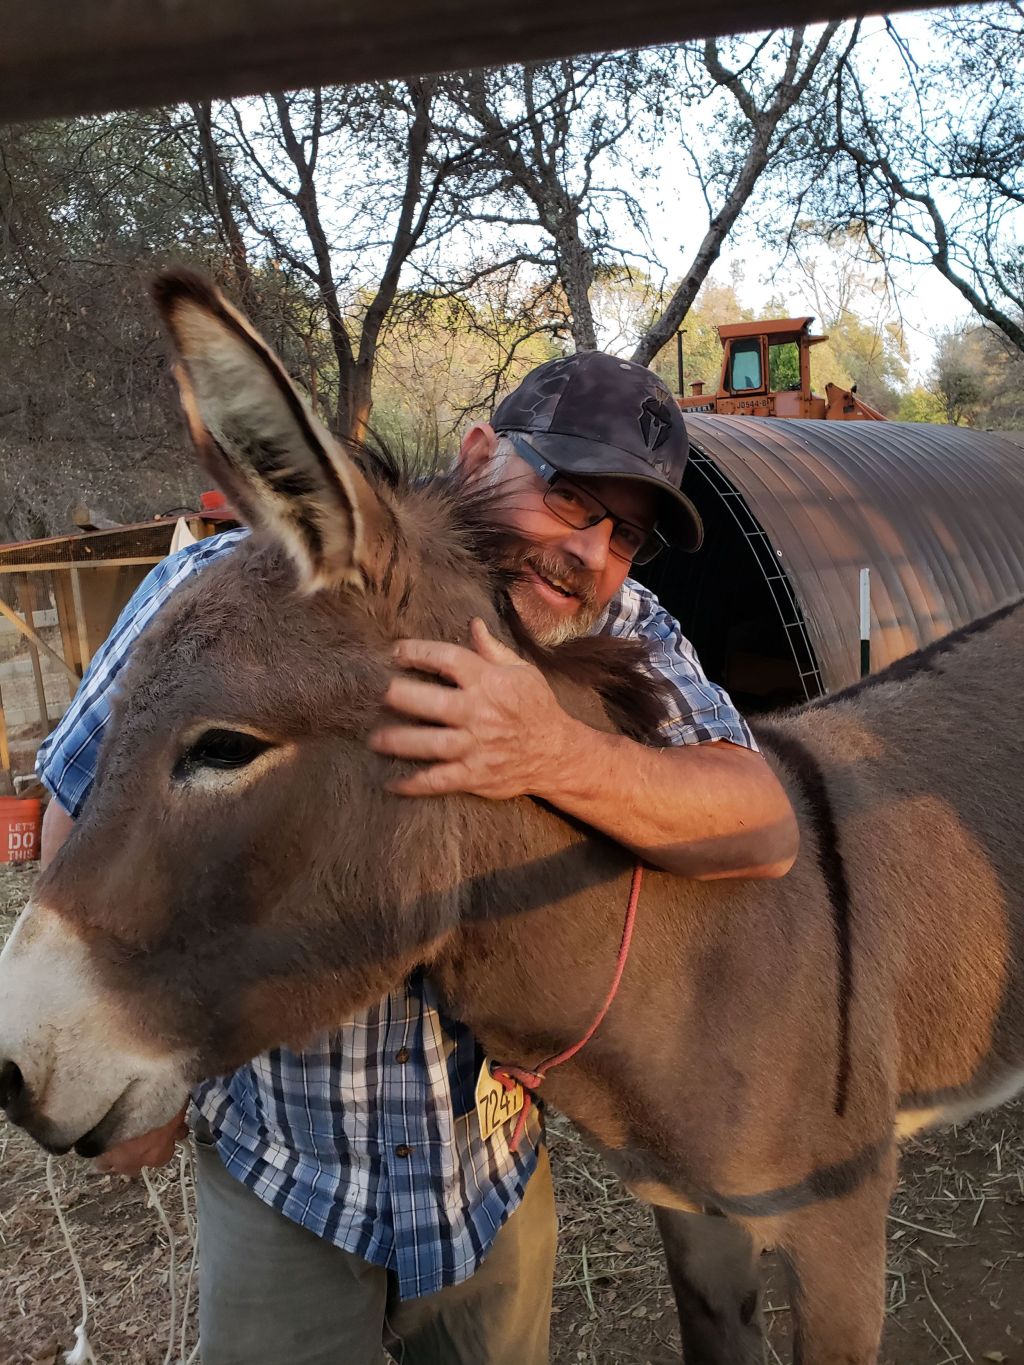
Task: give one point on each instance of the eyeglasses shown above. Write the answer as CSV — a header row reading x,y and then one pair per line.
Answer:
x,y
579,509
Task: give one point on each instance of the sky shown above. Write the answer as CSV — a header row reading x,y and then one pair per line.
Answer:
x,y
677,218
927,303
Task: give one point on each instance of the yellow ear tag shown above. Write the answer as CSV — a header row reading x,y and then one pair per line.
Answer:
x,y
494,1104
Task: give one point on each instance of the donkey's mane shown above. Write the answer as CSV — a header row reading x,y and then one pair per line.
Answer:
x,y
617,670
923,659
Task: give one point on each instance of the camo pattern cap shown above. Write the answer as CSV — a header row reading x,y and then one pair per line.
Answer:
x,y
594,414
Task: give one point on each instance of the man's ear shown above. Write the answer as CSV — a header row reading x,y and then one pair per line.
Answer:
x,y
264,448
477,449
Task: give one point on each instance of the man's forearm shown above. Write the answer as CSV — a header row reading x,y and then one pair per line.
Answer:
x,y
698,810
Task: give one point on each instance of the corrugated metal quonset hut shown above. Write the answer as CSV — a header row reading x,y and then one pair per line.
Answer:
x,y
793,510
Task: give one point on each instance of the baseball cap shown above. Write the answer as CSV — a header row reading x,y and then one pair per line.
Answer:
x,y
594,414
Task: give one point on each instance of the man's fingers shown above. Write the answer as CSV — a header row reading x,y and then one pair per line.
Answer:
x,y
419,741
129,1160
437,780
488,647
426,701
454,662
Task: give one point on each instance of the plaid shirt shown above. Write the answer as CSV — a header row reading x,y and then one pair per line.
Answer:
x,y
369,1137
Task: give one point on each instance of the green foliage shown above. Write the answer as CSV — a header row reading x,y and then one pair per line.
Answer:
x,y
978,380
921,405
784,366
442,365
873,356
702,350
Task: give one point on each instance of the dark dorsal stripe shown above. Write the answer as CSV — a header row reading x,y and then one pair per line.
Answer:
x,y
807,772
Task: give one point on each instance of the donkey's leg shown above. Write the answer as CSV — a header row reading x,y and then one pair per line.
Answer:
x,y
712,1266
835,1257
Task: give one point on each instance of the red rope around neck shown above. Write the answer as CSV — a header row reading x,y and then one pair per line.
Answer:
x,y
510,1076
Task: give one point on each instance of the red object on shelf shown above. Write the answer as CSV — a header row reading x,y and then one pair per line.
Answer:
x,y
20,825
213,501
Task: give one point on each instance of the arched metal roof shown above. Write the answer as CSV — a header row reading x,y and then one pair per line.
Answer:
x,y
936,513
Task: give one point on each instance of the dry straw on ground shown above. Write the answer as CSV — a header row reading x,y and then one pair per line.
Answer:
x,y
955,1284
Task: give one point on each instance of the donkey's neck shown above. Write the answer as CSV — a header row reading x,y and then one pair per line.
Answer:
x,y
531,960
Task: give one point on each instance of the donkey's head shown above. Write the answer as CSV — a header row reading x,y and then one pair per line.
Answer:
x,y
240,877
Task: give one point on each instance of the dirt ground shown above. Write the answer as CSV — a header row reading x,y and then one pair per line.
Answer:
x,y
956,1254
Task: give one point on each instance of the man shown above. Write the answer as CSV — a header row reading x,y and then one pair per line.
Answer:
x,y
317,1244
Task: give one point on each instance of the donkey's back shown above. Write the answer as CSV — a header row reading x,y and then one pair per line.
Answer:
x,y
921,770
891,992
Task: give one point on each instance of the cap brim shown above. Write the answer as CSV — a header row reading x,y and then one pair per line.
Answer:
x,y
680,523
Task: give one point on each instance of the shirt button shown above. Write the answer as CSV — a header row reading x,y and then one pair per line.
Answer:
x,y
402,1055
403,1150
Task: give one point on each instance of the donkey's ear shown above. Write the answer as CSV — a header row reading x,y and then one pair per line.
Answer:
x,y
262,445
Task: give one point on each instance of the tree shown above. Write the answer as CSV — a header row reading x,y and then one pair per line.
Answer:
x,y
717,303
920,405
624,301
436,368
978,379
338,185
934,179
548,136
540,140
850,294
957,382
224,202
88,209
775,84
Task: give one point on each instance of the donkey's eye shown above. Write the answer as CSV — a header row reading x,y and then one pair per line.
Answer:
x,y
222,749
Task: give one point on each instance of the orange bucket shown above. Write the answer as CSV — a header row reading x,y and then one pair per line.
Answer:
x,y
21,820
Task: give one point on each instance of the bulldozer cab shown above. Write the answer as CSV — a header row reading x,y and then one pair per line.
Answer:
x,y
766,372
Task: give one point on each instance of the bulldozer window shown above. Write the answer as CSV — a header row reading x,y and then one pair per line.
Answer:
x,y
783,367
745,370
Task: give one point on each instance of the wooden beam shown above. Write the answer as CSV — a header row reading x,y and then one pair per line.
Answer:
x,y
6,771
63,57
47,566
83,634
36,639
26,597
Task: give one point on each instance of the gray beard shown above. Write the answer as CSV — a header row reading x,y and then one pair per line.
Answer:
x,y
549,628
545,626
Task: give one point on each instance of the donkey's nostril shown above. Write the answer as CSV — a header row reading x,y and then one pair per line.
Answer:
x,y
12,1083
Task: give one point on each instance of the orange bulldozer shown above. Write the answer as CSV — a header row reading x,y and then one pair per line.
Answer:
x,y
756,356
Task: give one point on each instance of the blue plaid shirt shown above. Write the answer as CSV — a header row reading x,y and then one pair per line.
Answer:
x,y
369,1137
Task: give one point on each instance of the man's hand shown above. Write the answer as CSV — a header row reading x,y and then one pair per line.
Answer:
x,y
696,810
498,732
149,1149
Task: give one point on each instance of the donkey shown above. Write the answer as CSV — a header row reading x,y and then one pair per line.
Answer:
x,y
241,879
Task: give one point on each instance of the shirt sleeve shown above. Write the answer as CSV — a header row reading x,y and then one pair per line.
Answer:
x,y
700,712
66,761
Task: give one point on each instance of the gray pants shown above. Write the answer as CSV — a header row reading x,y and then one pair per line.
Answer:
x,y
273,1293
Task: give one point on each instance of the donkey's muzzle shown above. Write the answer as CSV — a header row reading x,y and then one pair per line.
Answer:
x,y
16,1102
73,1067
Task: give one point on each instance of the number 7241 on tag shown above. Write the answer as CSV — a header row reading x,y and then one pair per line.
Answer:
x,y
494,1104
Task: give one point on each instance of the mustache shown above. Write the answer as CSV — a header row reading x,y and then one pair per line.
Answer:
x,y
579,581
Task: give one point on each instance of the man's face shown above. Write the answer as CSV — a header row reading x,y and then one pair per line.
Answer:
x,y
570,575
